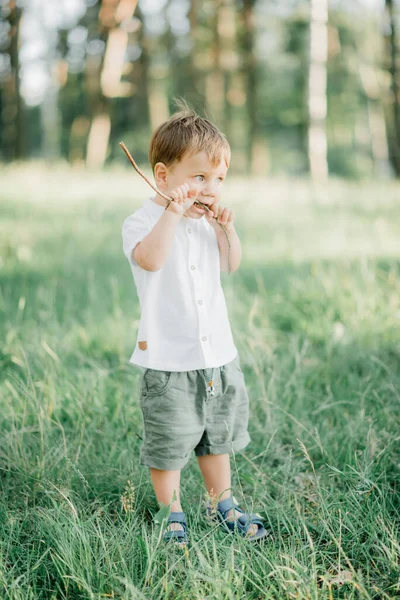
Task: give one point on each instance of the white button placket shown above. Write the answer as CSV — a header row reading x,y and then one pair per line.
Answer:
x,y
194,262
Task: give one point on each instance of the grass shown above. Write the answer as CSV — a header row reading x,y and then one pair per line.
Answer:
x,y
314,309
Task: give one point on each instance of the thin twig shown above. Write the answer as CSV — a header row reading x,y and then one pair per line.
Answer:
x,y
169,200
134,165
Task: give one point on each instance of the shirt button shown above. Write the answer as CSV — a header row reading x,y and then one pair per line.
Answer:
x,y
199,301
193,267
204,338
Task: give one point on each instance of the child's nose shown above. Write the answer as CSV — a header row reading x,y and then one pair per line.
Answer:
x,y
209,190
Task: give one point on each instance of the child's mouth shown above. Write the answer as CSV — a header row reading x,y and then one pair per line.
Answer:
x,y
199,210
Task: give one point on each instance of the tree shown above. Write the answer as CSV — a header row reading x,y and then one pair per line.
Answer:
x,y
317,98
391,60
12,110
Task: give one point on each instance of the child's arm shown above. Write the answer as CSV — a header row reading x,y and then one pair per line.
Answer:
x,y
152,252
225,216
235,251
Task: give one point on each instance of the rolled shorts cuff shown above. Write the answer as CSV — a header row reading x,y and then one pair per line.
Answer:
x,y
163,463
227,448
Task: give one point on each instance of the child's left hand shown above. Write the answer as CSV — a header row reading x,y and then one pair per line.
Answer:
x,y
224,216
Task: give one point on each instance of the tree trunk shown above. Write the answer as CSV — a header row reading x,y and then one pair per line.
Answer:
x,y
229,58
49,109
13,139
196,90
367,48
317,85
105,78
156,71
394,139
256,146
215,84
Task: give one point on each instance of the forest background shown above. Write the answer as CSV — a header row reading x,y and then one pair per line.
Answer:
x,y
297,86
308,96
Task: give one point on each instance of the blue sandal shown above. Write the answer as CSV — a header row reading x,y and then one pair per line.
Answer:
x,y
241,524
179,536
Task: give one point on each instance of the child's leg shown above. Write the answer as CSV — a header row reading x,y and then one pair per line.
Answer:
x,y
164,483
216,471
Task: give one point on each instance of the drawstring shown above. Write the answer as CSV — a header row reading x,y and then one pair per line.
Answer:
x,y
209,373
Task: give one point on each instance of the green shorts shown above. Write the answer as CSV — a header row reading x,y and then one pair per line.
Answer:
x,y
181,415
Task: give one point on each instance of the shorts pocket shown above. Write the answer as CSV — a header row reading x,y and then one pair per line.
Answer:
x,y
155,383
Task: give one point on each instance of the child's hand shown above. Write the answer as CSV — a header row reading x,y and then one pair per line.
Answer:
x,y
183,198
224,216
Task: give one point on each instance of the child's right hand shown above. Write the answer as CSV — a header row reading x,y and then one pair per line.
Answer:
x,y
183,198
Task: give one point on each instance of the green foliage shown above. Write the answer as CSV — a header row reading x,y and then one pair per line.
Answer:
x,y
257,52
314,310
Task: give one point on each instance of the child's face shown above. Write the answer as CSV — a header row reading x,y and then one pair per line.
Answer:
x,y
201,174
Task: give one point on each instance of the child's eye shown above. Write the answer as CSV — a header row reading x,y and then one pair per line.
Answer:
x,y
202,177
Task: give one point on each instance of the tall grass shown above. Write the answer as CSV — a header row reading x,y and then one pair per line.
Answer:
x,y
314,309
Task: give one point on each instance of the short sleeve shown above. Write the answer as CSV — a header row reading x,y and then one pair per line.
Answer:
x,y
134,230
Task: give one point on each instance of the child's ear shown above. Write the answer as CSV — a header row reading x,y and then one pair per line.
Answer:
x,y
160,175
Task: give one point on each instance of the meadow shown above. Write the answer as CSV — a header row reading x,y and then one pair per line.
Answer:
x,y
315,314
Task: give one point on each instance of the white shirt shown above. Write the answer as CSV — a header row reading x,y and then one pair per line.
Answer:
x,y
184,321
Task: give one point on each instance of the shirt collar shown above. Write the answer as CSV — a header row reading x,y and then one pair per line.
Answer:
x,y
153,206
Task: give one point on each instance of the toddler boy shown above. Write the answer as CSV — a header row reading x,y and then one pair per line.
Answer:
x,y
192,390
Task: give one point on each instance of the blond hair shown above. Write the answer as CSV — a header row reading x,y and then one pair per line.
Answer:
x,y
187,133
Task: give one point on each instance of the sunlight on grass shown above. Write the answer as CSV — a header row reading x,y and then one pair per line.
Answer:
x,y
315,310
